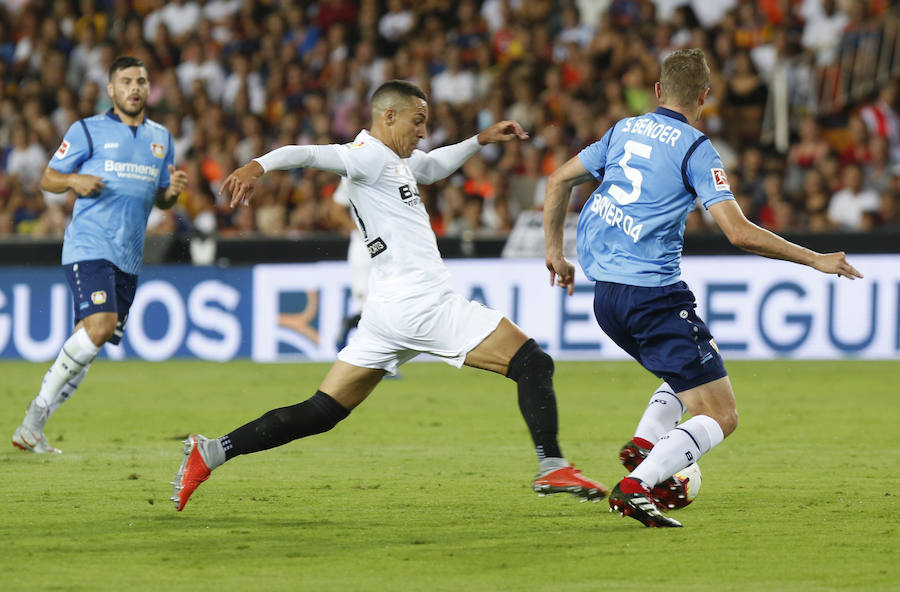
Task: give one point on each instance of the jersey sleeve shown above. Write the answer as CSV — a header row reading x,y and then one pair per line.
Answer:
x,y
73,151
706,174
363,160
169,159
359,160
594,156
438,164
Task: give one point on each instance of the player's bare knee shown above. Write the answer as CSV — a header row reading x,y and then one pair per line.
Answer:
x,y
100,332
530,360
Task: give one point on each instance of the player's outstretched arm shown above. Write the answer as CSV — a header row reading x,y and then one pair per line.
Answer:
x,y
556,205
84,185
241,184
746,235
441,162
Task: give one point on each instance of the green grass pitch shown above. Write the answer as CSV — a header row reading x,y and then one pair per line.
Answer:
x,y
426,486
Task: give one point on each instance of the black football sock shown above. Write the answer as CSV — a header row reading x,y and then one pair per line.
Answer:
x,y
315,415
532,369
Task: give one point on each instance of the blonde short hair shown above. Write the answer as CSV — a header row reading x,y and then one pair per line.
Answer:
x,y
684,77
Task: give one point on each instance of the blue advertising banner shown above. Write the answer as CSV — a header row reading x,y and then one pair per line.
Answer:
x,y
756,309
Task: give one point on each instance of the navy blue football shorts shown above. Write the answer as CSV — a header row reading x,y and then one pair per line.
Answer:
x,y
659,327
99,286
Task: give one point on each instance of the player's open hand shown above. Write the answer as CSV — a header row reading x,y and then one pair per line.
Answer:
x,y
86,185
241,183
502,131
836,263
562,273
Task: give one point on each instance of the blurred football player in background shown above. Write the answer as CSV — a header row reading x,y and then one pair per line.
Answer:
x,y
120,164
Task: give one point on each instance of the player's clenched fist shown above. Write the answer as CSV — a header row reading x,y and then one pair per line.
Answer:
x,y
86,185
177,180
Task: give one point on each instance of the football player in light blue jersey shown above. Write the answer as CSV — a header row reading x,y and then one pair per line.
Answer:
x,y
119,164
652,169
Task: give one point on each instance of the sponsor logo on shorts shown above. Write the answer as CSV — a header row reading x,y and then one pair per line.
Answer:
x,y
98,297
720,179
376,247
61,151
158,150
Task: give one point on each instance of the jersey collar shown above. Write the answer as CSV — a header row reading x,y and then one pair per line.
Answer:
x,y
670,113
112,115
134,128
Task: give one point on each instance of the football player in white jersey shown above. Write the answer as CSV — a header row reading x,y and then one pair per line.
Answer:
x,y
358,260
410,307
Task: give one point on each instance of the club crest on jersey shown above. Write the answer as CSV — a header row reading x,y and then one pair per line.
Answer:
x,y
720,180
158,150
61,151
98,297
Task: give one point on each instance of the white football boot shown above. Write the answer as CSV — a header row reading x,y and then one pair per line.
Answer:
x,y
30,435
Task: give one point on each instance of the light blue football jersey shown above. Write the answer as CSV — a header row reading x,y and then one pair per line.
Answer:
x,y
651,169
134,163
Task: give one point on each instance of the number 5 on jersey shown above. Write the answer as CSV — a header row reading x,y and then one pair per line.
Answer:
x,y
634,175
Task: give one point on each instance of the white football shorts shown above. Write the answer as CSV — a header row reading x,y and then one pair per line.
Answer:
x,y
443,324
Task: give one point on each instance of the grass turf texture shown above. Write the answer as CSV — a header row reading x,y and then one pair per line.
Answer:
x,y
426,486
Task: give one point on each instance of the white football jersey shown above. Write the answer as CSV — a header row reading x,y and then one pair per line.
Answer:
x,y
385,203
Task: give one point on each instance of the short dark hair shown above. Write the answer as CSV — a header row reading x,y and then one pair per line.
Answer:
x,y
396,94
401,87
122,62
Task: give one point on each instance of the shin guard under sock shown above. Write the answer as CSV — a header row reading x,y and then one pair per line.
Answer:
x,y
532,369
315,415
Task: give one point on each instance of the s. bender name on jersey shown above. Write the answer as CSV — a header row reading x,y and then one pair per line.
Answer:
x,y
645,126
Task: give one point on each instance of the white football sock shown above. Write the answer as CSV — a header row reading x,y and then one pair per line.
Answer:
x,y
679,448
68,390
77,352
663,413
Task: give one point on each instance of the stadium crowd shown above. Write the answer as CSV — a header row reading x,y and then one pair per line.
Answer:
x,y
232,79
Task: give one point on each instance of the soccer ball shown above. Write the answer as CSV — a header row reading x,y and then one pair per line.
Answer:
x,y
676,497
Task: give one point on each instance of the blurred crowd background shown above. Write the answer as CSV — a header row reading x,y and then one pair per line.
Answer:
x,y
232,79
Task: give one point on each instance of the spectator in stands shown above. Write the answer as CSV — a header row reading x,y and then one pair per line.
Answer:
x,y
815,203
822,32
882,120
26,158
308,68
454,84
857,148
848,206
746,98
878,172
809,151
